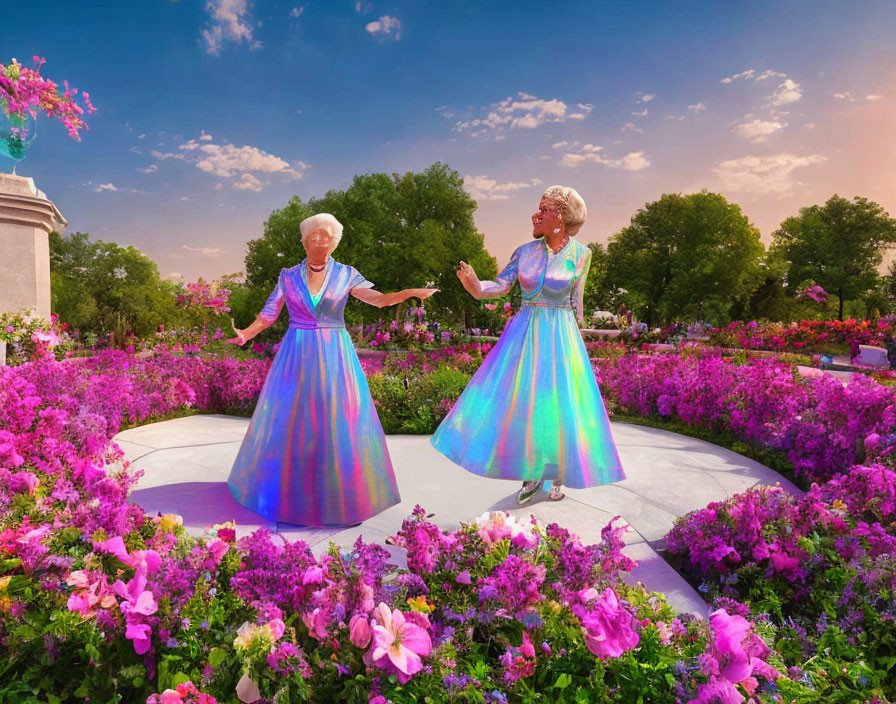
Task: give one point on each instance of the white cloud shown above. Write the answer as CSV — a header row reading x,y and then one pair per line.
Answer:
x,y
875,96
248,182
106,187
385,26
809,125
141,136
485,188
173,276
590,153
764,175
229,21
758,130
211,252
363,7
297,11
630,126
205,137
151,169
523,112
647,97
787,92
229,161
698,107
563,145
746,74
643,113
769,74
846,95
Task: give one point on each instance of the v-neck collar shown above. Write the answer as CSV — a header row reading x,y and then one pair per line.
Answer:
x,y
312,306
550,253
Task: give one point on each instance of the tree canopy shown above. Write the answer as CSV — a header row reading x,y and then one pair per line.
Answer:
x,y
838,245
101,286
399,232
691,256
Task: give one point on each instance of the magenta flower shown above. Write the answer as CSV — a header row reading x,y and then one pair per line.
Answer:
x,y
398,645
608,627
359,631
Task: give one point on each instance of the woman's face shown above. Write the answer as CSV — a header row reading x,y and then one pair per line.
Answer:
x,y
320,243
547,219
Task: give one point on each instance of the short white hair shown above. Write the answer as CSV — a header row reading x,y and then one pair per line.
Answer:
x,y
571,206
321,220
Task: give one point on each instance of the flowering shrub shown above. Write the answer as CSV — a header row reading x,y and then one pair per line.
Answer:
x,y
820,565
814,336
819,423
28,337
98,599
23,91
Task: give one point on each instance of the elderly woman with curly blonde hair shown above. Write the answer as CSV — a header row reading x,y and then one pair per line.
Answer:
x,y
315,453
533,411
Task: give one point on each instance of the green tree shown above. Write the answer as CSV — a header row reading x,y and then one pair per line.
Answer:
x,y
838,245
100,287
689,257
399,232
598,294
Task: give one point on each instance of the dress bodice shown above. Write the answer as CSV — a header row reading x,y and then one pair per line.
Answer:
x,y
292,290
545,278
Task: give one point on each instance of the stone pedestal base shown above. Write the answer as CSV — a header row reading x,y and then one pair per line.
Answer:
x,y
26,220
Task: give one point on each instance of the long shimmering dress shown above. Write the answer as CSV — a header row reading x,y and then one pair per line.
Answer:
x,y
533,409
315,453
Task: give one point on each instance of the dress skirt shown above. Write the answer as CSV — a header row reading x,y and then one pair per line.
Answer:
x,y
533,409
315,453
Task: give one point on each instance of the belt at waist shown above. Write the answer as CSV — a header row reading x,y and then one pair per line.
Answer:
x,y
301,325
538,304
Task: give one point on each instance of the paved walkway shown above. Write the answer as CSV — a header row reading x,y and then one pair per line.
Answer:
x,y
186,462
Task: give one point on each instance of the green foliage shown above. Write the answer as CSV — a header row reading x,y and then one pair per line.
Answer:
x,y
399,232
100,287
416,406
837,245
690,257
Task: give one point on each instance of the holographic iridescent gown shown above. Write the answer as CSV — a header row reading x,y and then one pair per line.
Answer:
x,y
533,409
315,453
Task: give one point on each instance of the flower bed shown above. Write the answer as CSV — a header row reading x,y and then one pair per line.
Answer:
x,y
98,599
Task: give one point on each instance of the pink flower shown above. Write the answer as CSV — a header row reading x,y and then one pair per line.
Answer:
x,y
398,644
463,577
313,575
730,632
609,627
139,633
359,631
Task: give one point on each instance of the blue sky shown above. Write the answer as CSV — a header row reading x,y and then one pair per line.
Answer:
x,y
213,113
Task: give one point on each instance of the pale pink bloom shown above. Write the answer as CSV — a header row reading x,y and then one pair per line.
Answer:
x,y
398,644
276,628
218,548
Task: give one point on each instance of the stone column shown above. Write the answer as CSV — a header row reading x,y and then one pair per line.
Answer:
x,y
26,220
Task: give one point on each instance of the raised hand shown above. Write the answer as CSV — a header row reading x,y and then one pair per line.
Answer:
x,y
240,339
469,280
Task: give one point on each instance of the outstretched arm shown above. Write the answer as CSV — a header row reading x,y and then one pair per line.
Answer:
x,y
246,334
381,300
264,319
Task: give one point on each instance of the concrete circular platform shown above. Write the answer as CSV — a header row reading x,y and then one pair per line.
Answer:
x,y
186,462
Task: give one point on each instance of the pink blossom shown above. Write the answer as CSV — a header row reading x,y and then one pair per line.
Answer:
x,y
359,631
608,627
398,645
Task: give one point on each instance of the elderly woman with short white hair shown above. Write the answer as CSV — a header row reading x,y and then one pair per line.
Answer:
x,y
532,411
315,453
